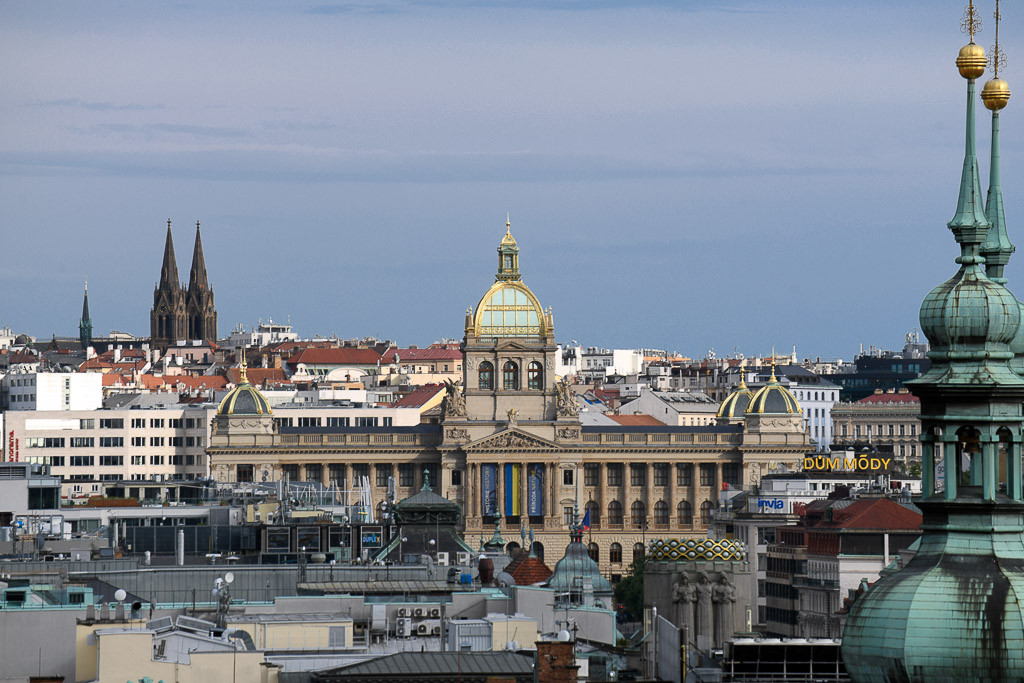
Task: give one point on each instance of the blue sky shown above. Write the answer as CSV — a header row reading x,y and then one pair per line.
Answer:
x,y
691,175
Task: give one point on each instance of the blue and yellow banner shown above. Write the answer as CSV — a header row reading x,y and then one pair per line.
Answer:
x,y
513,490
489,490
535,491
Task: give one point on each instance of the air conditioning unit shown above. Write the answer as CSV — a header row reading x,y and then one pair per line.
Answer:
x,y
436,630
403,627
403,611
419,612
422,629
442,559
436,612
463,558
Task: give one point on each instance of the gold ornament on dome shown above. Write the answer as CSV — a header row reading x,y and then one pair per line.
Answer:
x,y
996,93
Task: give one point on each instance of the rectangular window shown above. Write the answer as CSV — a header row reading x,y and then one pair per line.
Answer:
x,y
684,474
112,423
614,474
567,477
638,474
176,459
360,470
336,473
366,422
81,461
244,472
660,474
707,474
387,421
138,460
903,430
176,441
567,515
156,460
87,424
309,421
456,477
913,430
111,460
382,474
156,423
111,442
156,441
406,474
138,441
339,421
591,474
190,441
56,461
174,423
731,473
191,423
138,423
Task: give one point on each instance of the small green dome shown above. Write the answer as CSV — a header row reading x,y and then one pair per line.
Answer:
x,y
244,399
969,310
773,399
735,404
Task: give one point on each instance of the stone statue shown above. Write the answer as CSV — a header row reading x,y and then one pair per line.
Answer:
x,y
723,595
704,625
454,403
684,593
566,400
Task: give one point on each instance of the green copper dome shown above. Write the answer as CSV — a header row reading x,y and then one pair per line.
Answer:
x,y
969,310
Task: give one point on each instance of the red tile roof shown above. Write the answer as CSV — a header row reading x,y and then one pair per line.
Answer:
x,y
412,355
873,513
530,571
257,376
342,356
639,420
890,398
419,397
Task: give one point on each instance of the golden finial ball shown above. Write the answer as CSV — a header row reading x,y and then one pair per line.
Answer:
x,y
971,61
995,94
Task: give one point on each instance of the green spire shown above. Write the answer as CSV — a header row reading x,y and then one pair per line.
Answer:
x,y
969,224
997,248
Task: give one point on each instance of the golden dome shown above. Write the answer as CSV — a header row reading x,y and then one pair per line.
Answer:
x,y
773,399
244,399
971,61
510,309
995,94
735,404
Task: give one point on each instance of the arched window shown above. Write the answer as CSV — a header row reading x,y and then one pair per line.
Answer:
x,y
594,552
707,511
486,375
511,549
684,511
615,554
615,512
638,514
595,514
661,512
510,375
535,376
538,550
638,551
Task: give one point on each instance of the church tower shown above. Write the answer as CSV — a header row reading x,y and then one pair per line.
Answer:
x,y
199,310
167,321
85,324
956,611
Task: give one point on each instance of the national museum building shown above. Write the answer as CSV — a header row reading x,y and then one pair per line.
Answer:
x,y
510,442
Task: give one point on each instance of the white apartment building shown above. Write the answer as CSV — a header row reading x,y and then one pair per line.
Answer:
x,y
50,391
598,363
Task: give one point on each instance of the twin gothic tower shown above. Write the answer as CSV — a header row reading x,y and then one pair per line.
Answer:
x,y
180,313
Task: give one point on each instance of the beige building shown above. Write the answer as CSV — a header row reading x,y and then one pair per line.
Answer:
x,y
884,418
511,442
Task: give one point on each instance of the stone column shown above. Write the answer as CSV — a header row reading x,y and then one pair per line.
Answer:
x,y
472,504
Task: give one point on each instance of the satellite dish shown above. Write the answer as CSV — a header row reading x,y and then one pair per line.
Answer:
x,y
229,577
505,580
120,595
563,636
